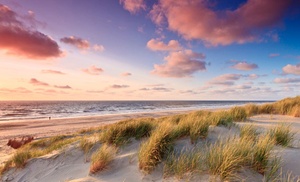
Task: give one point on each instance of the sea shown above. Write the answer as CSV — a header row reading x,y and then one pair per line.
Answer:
x,y
22,110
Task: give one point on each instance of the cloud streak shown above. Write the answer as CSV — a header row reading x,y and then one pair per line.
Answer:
x,y
244,66
157,45
93,70
36,82
286,80
115,86
53,72
76,41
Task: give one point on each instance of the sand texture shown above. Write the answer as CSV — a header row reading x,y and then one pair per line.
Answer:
x,y
71,164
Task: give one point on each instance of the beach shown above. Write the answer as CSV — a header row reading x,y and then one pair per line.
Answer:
x,y
42,128
71,164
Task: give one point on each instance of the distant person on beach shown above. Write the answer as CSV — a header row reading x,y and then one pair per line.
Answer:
x,y
49,118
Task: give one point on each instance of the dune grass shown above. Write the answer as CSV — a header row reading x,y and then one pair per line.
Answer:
x,y
288,177
37,149
102,157
248,131
219,118
194,125
185,162
224,158
261,153
282,134
119,133
251,109
86,144
159,144
238,113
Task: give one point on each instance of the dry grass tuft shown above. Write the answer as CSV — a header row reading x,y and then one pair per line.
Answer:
x,y
102,157
86,144
159,144
190,162
119,133
248,131
238,113
282,134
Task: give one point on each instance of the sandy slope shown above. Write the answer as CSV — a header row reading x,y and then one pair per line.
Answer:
x,y
46,128
73,165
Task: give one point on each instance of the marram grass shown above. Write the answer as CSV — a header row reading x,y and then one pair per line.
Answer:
x,y
102,158
282,134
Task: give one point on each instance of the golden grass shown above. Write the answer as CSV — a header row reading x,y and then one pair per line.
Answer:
x,y
220,118
153,150
226,158
178,165
86,144
37,149
102,157
282,134
261,153
238,113
251,109
248,131
119,133
223,158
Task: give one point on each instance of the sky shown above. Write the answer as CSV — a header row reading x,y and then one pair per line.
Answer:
x,y
149,50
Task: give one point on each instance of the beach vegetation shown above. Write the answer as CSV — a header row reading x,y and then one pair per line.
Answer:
x,y
37,149
225,158
219,118
102,158
261,153
238,113
248,131
156,147
186,162
119,133
282,134
251,109
86,144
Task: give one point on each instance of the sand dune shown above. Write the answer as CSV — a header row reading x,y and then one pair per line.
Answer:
x,y
71,164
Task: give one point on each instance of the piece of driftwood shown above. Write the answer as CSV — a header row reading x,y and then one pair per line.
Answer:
x,y
15,143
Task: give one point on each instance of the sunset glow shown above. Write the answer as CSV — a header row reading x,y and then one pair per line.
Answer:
x,y
149,50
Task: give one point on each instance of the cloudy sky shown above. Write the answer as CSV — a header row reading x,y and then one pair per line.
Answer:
x,y
149,50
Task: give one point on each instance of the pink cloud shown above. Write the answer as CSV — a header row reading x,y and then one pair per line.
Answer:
x,y
180,64
19,40
36,82
126,74
16,90
244,66
196,19
286,80
115,86
158,89
157,45
291,69
226,79
63,87
133,6
99,48
76,41
52,72
93,70
272,55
